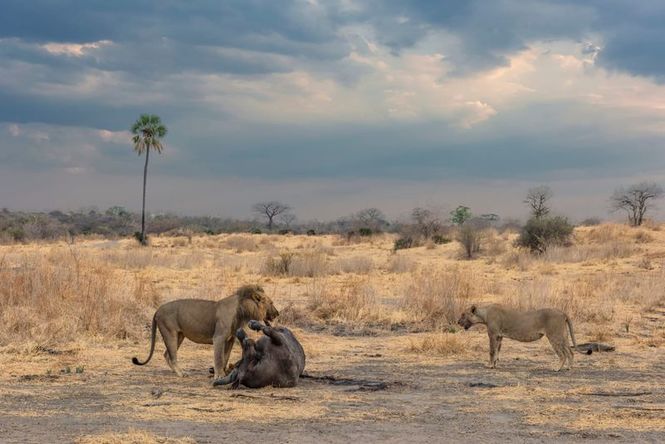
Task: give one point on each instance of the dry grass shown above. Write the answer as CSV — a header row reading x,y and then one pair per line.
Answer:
x,y
90,296
355,302
132,437
584,299
55,292
439,344
311,263
605,233
240,243
586,252
354,264
137,257
438,297
58,297
400,264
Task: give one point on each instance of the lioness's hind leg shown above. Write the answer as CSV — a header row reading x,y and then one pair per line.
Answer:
x,y
559,348
569,353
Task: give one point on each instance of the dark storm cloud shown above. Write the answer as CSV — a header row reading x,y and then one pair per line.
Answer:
x,y
634,36
274,26
148,46
170,35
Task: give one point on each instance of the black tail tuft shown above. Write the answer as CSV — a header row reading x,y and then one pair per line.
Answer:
x,y
136,361
588,352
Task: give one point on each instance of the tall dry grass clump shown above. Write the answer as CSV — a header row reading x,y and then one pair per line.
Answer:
x,y
615,249
439,344
60,297
437,298
354,264
588,299
240,243
645,290
305,264
355,302
609,232
400,264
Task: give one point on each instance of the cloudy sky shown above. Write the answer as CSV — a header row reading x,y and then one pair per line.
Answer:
x,y
331,106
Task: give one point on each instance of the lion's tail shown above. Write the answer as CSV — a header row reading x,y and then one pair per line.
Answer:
x,y
572,337
152,343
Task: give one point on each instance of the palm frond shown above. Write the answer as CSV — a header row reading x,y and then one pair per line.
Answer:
x,y
147,132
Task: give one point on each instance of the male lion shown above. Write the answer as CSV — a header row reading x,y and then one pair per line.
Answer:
x,y
208,322
523,326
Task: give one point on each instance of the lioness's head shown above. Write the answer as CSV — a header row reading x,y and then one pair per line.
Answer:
x,y
255,304
469,318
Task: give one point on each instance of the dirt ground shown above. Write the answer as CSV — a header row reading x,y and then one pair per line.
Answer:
x,y
616,396
87,390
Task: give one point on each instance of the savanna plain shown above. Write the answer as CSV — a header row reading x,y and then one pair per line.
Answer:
x,y
377,325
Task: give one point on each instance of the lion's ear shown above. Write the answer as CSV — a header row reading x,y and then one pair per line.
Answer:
x,y
256,296
473,309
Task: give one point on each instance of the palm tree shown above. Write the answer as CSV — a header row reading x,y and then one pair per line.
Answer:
x,y
148,131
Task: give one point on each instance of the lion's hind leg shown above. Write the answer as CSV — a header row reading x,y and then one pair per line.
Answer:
x,y
172,340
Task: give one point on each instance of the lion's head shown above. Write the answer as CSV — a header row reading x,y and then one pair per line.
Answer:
x,y
254,304
469,318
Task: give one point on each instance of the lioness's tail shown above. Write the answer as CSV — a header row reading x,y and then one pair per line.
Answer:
x,y
572,337
152,343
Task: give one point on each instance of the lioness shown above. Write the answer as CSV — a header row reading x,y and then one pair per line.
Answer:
x,y
523,326
208,322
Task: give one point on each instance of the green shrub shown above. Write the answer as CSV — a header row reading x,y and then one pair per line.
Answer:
x,y
540,233
311,232
140,239
365,231
403,243
440,240
17,234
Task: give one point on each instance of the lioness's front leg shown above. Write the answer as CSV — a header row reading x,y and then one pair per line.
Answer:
x,y
494,352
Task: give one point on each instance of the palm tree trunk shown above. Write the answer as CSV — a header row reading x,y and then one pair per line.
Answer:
x,y
145,176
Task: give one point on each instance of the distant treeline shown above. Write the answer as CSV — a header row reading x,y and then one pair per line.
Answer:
x,y
117,222
19,226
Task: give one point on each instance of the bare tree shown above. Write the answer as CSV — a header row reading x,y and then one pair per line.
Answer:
x,y
636,200
426,221
287,219
537,198
269,210
371,218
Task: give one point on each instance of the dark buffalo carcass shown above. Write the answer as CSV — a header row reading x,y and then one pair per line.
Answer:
x,y
277,359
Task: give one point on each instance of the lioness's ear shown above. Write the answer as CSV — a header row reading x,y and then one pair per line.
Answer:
x,y
473,309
